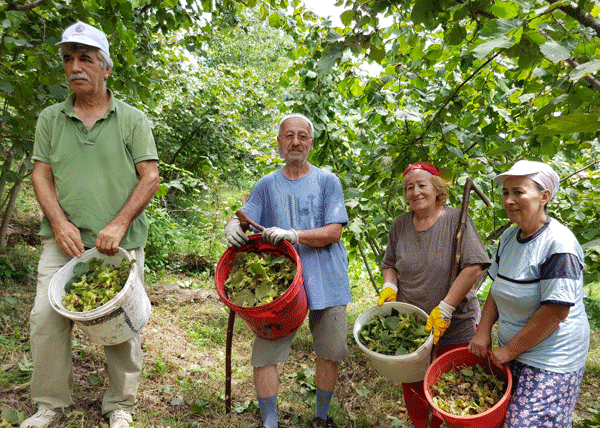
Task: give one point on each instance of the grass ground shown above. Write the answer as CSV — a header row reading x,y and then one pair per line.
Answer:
x,y
183,383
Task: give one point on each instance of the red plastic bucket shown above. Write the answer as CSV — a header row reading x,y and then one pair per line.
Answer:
x,y
283,315
492,418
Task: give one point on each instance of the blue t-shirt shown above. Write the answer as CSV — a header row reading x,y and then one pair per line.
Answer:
x,y
543,268
313,201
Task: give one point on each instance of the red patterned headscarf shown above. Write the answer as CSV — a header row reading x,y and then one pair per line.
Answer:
x,y
422,165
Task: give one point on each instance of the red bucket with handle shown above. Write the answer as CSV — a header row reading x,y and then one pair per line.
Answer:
x,y
283,315
492,418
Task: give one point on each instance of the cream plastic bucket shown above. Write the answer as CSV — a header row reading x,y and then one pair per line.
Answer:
x,y
114,322
402,368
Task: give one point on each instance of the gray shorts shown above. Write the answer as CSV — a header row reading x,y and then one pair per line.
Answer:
x,y
329,330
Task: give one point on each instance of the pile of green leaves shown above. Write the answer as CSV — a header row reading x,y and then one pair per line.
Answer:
x,y
394,334
258,278
94,283
467,390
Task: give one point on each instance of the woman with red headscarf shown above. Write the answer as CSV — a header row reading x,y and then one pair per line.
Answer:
x,y
417,270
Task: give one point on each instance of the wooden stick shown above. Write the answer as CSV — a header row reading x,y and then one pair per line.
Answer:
x,y
469,185
228,344
244,219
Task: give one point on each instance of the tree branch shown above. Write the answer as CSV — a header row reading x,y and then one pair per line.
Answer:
x,y
458,88
580,16
366,262
580,170
594,83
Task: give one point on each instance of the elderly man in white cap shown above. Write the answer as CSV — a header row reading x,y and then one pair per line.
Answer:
x,y
537,299
95,172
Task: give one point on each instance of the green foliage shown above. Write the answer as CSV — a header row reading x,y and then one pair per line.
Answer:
x,y
396,423
187,218
256,279
152,44
208,334
162,237
14,338
592,308
306,385
17,264
394,334
24,367
594,421
160,366
467,391
95,283
469,87
200,126
592,253
10,418
7,269
220,119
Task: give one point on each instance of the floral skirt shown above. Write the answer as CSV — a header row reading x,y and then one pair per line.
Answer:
x,y
542,399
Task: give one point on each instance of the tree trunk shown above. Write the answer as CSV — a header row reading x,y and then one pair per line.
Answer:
x,y
8,213
3,177
10,206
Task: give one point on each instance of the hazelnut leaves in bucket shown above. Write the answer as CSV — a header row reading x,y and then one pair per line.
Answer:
x,y
94,284
394,334
256,279
467,391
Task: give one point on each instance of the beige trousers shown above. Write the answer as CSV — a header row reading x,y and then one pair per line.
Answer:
x,y
52,379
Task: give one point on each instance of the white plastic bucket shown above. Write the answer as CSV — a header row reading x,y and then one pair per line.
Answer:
x,y
402,368
114,322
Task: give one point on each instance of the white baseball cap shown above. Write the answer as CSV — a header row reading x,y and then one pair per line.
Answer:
x,y
541,173
83,33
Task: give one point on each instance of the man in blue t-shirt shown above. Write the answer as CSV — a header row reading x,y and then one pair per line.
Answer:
x,y
304,205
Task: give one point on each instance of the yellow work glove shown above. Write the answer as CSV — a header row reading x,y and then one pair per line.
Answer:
x,y
439,320
387,294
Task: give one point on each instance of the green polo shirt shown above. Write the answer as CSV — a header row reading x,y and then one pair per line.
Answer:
x,y
94,171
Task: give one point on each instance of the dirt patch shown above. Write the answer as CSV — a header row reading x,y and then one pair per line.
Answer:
x,y
23,228
167,293
192,263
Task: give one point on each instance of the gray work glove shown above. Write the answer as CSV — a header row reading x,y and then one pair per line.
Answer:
x,y
274,235
235,235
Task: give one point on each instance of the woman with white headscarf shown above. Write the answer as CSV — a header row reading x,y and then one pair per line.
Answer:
x,y
537,298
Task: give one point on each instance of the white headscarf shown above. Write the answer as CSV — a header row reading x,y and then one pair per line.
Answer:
x,y
539,172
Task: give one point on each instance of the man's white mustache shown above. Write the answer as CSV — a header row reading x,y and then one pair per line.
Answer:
x,y
78,76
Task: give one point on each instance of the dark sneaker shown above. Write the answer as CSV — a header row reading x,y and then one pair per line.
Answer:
x,y
320,423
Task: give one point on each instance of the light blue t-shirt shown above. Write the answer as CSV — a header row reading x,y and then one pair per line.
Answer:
x,y
543,268
313,201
